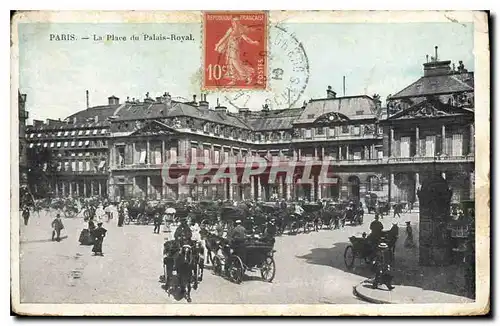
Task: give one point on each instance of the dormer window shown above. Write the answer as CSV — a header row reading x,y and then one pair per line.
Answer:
x,y
307,133
206,127
345,129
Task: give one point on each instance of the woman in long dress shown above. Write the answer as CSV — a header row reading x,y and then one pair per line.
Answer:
x,y
229,47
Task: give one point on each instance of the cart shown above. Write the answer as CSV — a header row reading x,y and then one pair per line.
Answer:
x,y
257,255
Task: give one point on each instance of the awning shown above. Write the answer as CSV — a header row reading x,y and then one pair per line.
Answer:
x,y
87,132
66,133
103,131
87,143
73,144
101,164
80,143
52,145
32,135
31,145
59,144
73,133
95,132
59,133
65,144
87,154
45,144
39,135
80,132
39,144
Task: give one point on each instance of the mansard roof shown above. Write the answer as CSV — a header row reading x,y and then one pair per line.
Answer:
x,y
273,119
353,107
440,84
135,111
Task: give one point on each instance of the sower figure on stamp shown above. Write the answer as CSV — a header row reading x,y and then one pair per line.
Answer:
x,y
229,47
98,235
57,226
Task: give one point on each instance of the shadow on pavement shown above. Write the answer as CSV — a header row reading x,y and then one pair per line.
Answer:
x,y
406,269
43,240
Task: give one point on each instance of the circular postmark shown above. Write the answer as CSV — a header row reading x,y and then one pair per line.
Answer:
x,y
287,74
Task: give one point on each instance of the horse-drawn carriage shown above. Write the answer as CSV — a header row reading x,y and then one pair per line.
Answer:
x,y
183,262
312,217
229,215
333,215
354,214
364,249
256,254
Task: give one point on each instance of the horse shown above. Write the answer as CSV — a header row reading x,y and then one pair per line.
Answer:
x,y
211,244
184,266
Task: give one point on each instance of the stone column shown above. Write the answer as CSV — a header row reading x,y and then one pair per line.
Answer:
x,y
391,142
252,187
472,184
99,184
472,140
77,189
417,141
91,188
347,151
443,139
57,189
295,155
134,185
367,153
63,189
134,160
323,152
299,158
230,188
340,153
148,153
417,185
281,180
259,188
315,153
148,184
443,175
392,189
84,188
163,156
320,188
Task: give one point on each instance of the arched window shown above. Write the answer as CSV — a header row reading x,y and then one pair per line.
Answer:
x,y
373,183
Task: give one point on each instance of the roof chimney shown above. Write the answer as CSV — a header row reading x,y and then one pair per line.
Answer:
x,y
330,93
203,102
244,111
194,100
87,98
113,100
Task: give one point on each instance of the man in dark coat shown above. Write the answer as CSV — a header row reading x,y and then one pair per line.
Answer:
x,y
157,222
26,214
98,235
57,226
183,232
376,228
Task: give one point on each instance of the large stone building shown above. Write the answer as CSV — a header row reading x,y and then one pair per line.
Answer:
x,y
23,160
121,149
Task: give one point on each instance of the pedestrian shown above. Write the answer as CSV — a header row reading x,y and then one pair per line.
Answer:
x,y
98,235
409,236
397,209
382,266
26,214
57,226
157,222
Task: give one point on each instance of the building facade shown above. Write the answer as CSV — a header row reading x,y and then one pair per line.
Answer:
x,y
126,150
23,159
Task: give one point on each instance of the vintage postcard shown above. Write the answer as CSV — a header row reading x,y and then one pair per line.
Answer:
x,y
250,163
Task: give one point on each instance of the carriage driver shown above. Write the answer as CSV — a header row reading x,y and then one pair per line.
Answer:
x,y
183,233
236,237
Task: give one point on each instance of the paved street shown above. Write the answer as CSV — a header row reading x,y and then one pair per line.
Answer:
x,y
310,268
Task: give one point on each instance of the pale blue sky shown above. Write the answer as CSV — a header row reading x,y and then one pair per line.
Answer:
x,y
375,58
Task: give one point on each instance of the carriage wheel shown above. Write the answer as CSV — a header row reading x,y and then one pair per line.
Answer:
x,y
217,265
331,224
349,256
268,269
236,269
127,220
294,228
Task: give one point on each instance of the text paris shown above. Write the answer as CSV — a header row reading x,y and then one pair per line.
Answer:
x,y
172,37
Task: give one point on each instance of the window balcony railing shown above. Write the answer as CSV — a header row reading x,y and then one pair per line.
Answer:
x,y
429,159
